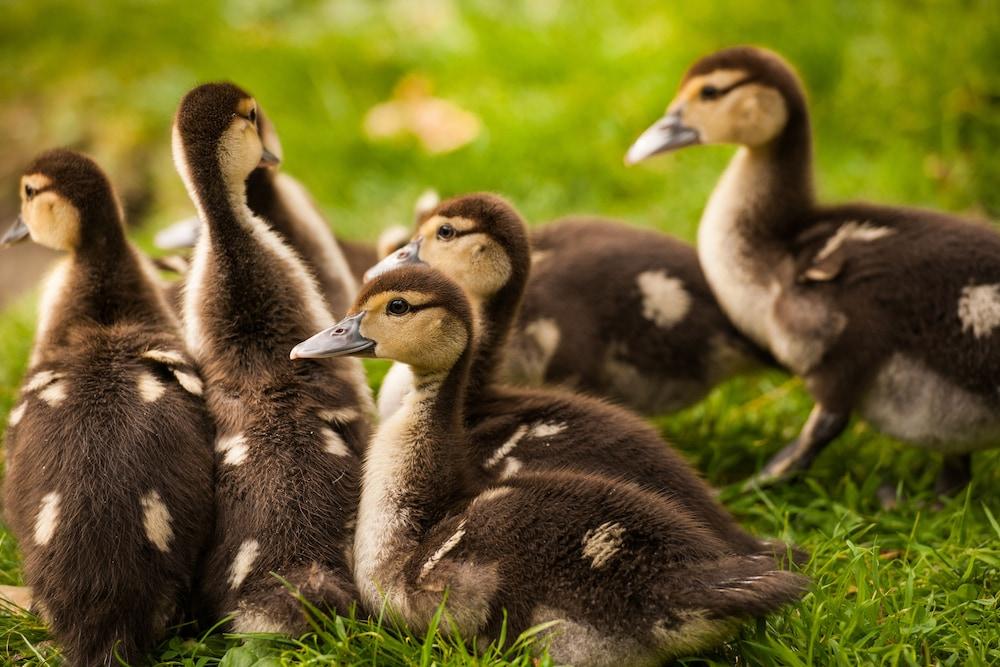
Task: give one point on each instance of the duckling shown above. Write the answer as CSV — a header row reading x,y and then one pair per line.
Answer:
x,y
290,436
628,577
616,311
481,242
109,445
892,313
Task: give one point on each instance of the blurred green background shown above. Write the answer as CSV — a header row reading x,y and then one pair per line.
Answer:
x,y
541,99
905,95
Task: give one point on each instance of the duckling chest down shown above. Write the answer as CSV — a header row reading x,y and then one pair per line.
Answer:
x,y
625,576
624,313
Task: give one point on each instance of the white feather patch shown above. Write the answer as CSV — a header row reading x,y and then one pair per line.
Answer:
x,y
665,302
507,447
156,520
852,231
443,550
17,413
150,389
41,379
979,309
243,563
48,518
602,543
191,383
233,448
334,443
54,394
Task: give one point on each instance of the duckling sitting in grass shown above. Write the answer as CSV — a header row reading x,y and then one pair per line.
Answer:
x,y
628,577
108,482
893,313
481,242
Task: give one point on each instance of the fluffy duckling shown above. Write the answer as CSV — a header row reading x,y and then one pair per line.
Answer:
x,y
629,577
481,242
889,312
290,435
109,447
622,312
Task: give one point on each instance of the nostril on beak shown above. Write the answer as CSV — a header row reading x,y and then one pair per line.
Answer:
x,y
339,331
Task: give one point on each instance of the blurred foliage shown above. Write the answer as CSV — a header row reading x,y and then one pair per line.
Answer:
x,y
906,104
906,95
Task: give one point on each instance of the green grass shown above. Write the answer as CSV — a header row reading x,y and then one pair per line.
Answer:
x,y
905,101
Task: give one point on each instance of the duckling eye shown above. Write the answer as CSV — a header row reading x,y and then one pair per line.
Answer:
x,y
710,93
29,191
252,115
397,307
446,232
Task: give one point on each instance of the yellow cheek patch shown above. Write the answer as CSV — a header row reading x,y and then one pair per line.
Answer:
x,y
245,106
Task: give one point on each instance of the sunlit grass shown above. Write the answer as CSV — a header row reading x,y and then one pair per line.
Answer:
x,y
904,100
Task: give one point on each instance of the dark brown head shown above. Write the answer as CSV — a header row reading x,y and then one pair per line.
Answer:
x,y
477,240
66,203
412,314
741,95
217,131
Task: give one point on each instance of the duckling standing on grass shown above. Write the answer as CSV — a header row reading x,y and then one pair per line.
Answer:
x,y
109,448
290,435
890,312
480,241
628,577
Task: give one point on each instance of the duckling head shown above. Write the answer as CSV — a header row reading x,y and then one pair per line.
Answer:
x,y
218,132
477,240
411,314
66,202
741,95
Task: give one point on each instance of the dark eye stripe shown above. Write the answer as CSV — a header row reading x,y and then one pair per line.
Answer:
x,y
719,92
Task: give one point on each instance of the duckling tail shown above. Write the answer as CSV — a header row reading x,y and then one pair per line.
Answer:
x,y
279,608
743,586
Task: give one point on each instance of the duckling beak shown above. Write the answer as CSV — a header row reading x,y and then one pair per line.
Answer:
x,y
343,339
408,254
666,134
182,234
268,159
17,232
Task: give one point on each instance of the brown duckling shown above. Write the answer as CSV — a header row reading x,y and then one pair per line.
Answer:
x,y
109,448
481,242
889,312
628,577
290,435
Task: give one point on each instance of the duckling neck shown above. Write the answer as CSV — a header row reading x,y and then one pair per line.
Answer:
x,y
497,317
760,204
416,471
766,191
104,282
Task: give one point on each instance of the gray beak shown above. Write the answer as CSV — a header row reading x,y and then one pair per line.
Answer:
x,y
183,234
665,134
17,232
268,159
408,254
343,339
